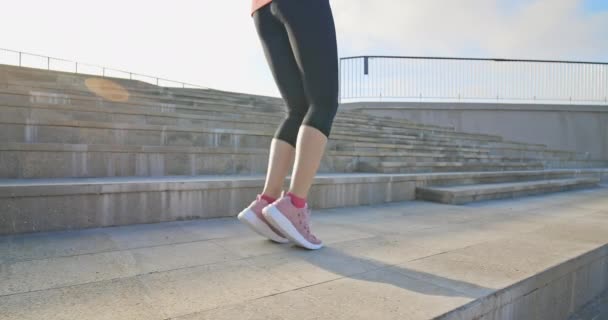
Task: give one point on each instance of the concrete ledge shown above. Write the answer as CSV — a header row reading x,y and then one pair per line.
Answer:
x,y
477,192
62,204
552,294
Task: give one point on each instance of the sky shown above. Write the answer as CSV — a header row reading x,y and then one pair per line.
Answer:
x,y
214,43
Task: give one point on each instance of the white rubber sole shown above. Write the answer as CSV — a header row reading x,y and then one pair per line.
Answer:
x,y
249,218
278,220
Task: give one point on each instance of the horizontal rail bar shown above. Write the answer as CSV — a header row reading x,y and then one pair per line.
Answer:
x,y
476,59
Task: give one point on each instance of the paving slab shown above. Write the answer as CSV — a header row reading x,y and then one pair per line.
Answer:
x,y
409,260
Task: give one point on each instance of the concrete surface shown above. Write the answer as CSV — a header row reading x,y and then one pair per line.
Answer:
x,y
63,204
595,310
577,128
478,192
506,259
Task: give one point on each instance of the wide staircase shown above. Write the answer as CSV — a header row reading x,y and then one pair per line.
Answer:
x,y
81,152
105,149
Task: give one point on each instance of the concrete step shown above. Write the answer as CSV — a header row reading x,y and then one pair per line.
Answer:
x,y
19,115
470,178
169,99
87,132
121,115
80,81
18,130
227,112
41,114
434,166
24,125
469,193
35,205
10,73
517,152
501,150
28,98
410,260
59,160
76,86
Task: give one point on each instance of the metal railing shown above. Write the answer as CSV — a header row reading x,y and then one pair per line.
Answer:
x,y
31,60
390,78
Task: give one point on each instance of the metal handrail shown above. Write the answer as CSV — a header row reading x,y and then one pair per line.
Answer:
x,y
477,59
104,70
449,79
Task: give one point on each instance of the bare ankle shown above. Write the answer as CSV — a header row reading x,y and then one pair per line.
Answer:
x,y
272,193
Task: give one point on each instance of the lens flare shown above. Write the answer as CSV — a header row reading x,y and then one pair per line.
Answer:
x,y
107,89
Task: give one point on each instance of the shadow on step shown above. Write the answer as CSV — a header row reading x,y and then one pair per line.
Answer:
x,y
400,277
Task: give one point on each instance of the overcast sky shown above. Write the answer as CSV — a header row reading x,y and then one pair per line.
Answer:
x,y
213,43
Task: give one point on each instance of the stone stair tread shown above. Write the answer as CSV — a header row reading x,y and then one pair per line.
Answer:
x,y
338,135
12,187
72,147
67,147
391,164
506,186
462,194
223,106
479,148
244,116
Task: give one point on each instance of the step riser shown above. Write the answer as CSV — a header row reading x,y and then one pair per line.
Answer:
x,y
378,160
225,95
341,125
458,138
512,177
38,165
106,206
472,168
558,164
261,103
106,163
42,115
88,135
136,96
448,199
41,164
43,99
540,154
444,151
68,206
80,133
432,131
75,135
49,99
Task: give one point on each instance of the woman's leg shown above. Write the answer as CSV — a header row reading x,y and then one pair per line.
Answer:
x,y
282,63
312,36
281,60
311,30
280,161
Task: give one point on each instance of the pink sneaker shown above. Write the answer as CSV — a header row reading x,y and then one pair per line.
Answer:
x,y
293,222
253,217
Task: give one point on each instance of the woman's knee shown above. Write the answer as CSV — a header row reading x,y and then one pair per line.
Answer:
x,y
321,118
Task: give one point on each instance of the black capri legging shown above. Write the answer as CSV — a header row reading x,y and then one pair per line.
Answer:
x,y
299,40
